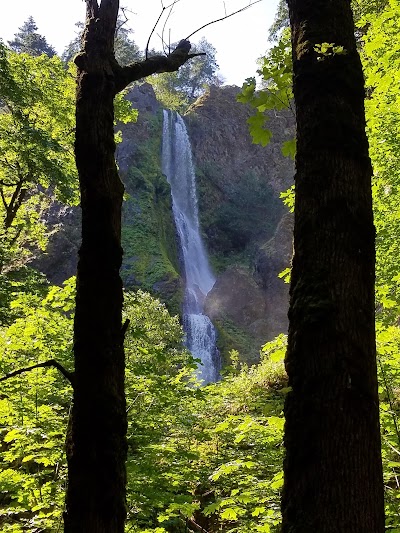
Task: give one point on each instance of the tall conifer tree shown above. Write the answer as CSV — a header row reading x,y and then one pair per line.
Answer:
x,y
28,41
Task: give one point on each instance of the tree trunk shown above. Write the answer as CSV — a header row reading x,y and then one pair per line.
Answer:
x,y
333,472
96,444
96,462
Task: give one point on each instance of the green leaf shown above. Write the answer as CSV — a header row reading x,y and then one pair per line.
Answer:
x,y
229,514
258,132
212,508
289,148
28,458
264,528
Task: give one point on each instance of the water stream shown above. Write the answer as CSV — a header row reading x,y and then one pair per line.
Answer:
x,y
177,165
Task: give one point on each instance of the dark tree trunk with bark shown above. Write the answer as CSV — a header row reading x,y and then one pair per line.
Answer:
x,y
96,462
96,447
333,473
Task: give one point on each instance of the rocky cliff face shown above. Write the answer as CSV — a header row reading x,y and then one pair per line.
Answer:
x,y
219,135
246,228
248,231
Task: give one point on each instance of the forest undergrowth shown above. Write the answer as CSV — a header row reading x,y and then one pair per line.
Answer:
x,y
199,458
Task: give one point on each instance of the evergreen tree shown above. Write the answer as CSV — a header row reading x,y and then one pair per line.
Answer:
x,y
333,472
281,21
126,50
28,41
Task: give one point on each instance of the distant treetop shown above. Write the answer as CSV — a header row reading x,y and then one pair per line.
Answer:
x,y
126,50
28,41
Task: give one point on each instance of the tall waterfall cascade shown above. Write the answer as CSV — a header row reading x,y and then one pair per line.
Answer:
x,y
177,165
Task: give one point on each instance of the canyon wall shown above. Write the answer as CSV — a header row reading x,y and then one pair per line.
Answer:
x,y
246,228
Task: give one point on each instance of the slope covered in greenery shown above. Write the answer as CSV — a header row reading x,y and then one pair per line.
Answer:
x,y
200,458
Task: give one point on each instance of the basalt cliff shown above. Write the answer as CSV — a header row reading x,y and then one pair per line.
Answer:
x,y
246,229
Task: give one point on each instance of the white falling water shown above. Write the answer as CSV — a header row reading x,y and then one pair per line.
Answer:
x,y
177,165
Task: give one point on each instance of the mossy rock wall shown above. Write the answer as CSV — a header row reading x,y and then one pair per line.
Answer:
x,y
241,215
149,241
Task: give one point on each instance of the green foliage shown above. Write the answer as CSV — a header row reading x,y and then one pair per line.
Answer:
x,y
36,157
247,431
165,86
34,407
210,456
34,411
289,148
325,50
275,94
248,202
28,41
160,392
37,126
194,454
359,8
288,198
248,210
232,338
281,21
363,7
22,280
388,348
381,60
126,50
36,138
176,90
148,231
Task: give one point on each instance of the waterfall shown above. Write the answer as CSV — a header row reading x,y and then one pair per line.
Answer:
x,y
177,165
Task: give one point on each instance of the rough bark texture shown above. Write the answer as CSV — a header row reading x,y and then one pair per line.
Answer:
x,y
96,459
333,473
96,448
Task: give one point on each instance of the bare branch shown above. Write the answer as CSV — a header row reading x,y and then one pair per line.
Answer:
x,y
165,23
52,362
15,202
3,199
153,65
155,26
119,26
124,328
195,525
224,18
164,44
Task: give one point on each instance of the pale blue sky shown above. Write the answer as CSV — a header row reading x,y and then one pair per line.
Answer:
x,y
239,40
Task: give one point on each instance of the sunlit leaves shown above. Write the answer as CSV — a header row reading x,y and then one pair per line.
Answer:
x,y
34,409
37,126
326,50
381,61
274,94
259,133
